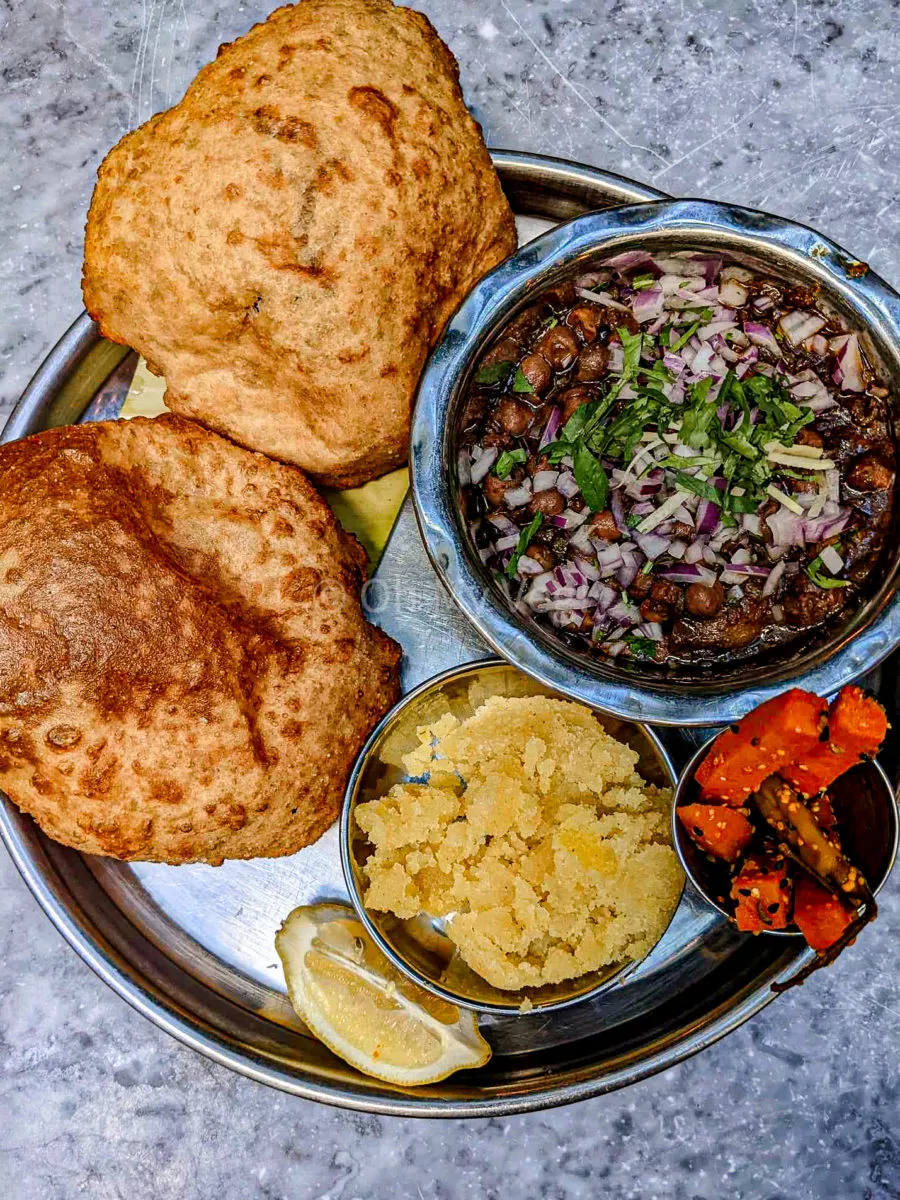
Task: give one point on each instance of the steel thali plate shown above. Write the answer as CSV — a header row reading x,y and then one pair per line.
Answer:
x,y
192,948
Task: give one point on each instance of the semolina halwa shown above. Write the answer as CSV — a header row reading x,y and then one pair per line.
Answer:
x,y
534,836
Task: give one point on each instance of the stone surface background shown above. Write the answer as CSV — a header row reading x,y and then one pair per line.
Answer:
x,y
789,106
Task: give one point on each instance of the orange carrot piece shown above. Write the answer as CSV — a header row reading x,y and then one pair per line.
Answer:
x,y
822,809
819,915
857,725
717,829
776,733
762,890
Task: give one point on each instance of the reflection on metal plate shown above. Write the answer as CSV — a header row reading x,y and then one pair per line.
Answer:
x,y
192,947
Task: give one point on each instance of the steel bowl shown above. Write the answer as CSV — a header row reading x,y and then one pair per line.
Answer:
x,y
781,249
420,947
866,807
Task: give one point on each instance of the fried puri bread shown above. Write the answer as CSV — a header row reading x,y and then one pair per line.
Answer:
x,y
286,244
186,674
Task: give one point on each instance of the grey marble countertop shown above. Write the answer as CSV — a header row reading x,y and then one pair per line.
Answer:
x,y
790,106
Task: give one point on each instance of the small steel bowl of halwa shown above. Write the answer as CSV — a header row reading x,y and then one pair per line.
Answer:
x,y
490,823
751,505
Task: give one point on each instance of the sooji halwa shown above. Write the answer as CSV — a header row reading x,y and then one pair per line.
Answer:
x,y
676,459
549,855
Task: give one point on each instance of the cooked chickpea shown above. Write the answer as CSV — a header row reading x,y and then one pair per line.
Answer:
x,y
809,437
559,346
655,610
870,474
592,362
585,319
537,371
704,600
603,525
495,488
513,416
550,503
571,399
668,593
542,554
640,586
506,350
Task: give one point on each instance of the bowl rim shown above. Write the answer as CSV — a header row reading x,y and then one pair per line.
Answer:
x,y
679,835
851,653
434,682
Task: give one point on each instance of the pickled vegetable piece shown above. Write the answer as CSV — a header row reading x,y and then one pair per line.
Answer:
x,y
780,731
857,725
819,915
762,890
717,829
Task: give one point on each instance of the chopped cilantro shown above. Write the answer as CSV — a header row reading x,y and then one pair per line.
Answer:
x,y
507,460
639,282
690,483
591,479
523,543
814,571
685,337
632,344
641,647
494,373
520,383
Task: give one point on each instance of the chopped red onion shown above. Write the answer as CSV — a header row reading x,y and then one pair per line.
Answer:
x,y
567,485
849,371
551,429
652,544
762,336
732,292
482,463
708,515
687,573
799,325
774,579
707,332
528,565
518,496
545,480
603,298
647,304
628,259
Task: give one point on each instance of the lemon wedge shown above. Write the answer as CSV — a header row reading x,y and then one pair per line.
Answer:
x,y
363,1009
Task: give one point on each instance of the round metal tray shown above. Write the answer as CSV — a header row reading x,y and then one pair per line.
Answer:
x,y
192,948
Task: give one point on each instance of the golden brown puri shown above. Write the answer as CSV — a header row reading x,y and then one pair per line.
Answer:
x,y
185,670
286,244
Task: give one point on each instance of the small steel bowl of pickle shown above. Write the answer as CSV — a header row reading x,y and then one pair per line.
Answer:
x,y
787,824
506,849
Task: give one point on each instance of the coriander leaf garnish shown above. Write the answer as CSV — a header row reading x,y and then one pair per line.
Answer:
x,y
507,460
813,570
493,373
523,543
641,647
690,483
639,282
685,337
591,479
520,383
632,344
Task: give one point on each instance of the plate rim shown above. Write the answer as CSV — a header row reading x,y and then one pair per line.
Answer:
x,y
46,883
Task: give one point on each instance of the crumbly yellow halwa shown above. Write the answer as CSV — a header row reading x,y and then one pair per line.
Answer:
x,y
534,835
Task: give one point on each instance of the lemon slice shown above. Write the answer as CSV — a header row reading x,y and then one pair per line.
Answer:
x,y
363,1009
